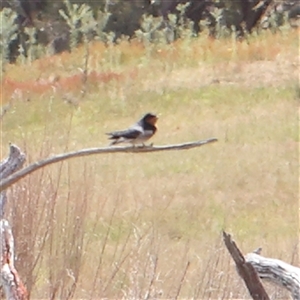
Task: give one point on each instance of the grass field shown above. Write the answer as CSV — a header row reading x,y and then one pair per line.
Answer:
x,y
148,226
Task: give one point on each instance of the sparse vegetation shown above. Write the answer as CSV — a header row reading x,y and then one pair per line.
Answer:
x,y
149,226
8,34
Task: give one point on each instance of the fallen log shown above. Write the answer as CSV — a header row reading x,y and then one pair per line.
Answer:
x,y
277,272
253,267
245,270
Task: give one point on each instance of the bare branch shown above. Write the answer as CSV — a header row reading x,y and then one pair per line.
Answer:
x,y
5,183
245,270
3,200
277,272
13,163
10,280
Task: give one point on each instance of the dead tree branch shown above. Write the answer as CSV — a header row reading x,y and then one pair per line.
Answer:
x,y
277,272
6,182
9,278
254,266
3,199
245,270
13,163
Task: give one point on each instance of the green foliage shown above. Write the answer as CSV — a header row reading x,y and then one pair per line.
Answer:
x,y
89,20
219,17
8,33
32,44
149,31
185,27
101,22
84,23
278,21
158,31
79,19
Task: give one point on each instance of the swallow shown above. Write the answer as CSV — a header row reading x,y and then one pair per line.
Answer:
x,y
138,133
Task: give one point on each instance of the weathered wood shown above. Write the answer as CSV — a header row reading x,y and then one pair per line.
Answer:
x,y
3,199
5,183
277,272
13,162
8,166
9,279
254,266
245,270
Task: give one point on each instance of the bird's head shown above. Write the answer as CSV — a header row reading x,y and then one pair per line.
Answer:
x,y
150,118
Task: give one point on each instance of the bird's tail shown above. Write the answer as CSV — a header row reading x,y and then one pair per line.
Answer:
x,y
114,142
115,139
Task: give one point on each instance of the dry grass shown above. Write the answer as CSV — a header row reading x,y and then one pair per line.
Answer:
x,y
149,226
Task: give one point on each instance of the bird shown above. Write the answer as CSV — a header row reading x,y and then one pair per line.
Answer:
x,y
138,133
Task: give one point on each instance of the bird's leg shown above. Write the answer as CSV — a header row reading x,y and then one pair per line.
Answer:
x,y
144,145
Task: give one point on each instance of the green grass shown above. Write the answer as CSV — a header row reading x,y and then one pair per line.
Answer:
x,y
119,221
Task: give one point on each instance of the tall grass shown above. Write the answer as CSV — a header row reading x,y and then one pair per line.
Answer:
x,y
149,226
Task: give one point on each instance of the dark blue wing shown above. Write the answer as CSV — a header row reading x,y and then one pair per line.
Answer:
x,y
130,133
